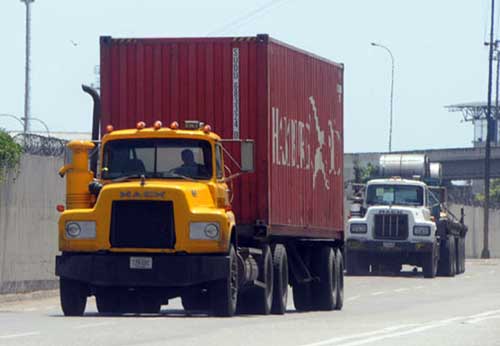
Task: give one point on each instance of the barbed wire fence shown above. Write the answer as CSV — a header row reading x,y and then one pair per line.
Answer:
x,y
41,145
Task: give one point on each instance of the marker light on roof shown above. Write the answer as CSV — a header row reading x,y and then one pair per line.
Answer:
x,y
207,129
157,125
109,128
174,125
140,125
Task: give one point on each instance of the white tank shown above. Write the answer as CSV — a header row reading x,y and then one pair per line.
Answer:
x,y
404,165
436,170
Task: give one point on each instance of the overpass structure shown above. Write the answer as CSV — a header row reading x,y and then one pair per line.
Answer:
x,y
457,163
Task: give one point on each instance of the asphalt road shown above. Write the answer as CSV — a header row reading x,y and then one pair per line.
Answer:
x,y
379,310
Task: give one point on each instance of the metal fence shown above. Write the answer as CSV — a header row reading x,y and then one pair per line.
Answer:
x,y
41,145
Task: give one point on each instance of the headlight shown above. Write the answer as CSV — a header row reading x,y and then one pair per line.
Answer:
x,y
358,228
204,231
80,229
421,230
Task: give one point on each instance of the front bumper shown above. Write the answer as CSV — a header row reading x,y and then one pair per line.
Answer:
x,y
389,246
168,270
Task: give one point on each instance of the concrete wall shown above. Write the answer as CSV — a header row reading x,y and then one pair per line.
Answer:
x,y
474,221
28,224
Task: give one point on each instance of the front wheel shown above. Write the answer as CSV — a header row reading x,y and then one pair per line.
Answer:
x,y
73,296
430,262
224,293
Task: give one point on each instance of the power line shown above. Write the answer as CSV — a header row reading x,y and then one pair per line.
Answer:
x,y
248,17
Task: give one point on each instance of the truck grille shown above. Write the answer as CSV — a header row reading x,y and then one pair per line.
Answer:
x,y
391,226
142,224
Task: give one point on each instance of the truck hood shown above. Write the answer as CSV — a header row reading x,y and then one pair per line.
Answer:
x,y
158,189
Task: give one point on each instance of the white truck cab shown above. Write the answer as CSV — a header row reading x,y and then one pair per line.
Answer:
x,y
398,222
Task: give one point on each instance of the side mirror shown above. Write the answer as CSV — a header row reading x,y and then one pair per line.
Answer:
x,y
247,155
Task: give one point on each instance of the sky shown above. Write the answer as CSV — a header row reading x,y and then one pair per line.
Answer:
x,y
438,48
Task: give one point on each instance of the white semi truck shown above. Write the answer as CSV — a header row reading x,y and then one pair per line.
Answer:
x,y
401,218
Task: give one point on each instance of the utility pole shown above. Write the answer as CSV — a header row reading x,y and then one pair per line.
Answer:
x,y
487,152
27,82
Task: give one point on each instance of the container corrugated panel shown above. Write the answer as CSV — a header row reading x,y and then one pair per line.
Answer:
x,y
240,86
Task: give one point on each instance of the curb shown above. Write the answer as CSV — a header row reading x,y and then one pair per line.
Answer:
x,y
37,295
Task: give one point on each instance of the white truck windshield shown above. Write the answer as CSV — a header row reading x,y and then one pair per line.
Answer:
x,y
394,194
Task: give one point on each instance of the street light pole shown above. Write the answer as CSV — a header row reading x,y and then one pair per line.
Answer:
x,y
392,90
487,149
27,81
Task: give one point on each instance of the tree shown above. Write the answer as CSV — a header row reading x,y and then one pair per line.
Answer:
x,y
10,154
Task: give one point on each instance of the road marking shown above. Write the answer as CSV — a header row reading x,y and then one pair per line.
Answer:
x,y
356,336
401,289
378,293
480,319
352,298
12,336
487,313
92,325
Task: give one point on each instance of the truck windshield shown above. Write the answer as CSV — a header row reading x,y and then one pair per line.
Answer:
x,y
394,194
157,158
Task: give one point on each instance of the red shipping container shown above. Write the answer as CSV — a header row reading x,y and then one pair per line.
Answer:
x,y
290,102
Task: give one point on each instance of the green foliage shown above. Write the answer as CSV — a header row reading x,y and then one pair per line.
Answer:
x,y
10,154
363,174
494,192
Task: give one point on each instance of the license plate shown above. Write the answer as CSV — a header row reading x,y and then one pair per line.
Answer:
x,y
141,263
389,245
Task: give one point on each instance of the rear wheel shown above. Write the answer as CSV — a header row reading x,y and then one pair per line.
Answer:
x,y
326,290
460,257
224,293
280,289
447,262
73,295
339,274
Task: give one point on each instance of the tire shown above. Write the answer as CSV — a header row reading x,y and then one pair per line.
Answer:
x,y
355,265
339,274
302,296
280,287
195,300
447,262
73,295
259,300
430,263
224,293
150,305
107,301
325,291
460,258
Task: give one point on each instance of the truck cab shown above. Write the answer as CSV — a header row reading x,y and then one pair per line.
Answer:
x,y
402,221
155,223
